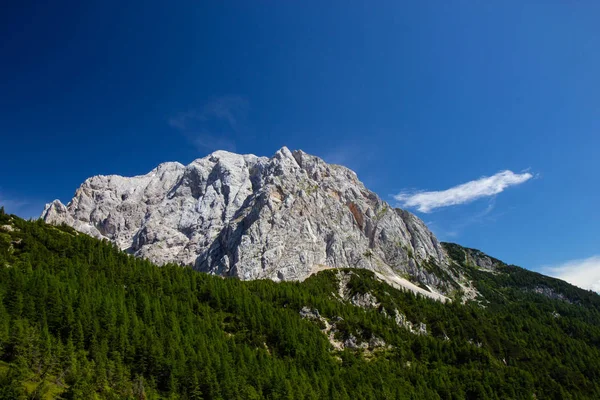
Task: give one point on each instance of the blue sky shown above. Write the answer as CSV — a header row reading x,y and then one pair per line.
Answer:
x,y
420,96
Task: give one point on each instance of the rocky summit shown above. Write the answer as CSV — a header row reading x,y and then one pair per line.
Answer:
x,y
280,218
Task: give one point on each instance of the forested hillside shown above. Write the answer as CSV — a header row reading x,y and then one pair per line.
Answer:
x,y
80,319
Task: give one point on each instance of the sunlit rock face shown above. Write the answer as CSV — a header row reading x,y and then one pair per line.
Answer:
x,y
280,218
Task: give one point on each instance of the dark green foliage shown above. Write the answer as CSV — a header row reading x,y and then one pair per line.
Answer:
x,y
80,319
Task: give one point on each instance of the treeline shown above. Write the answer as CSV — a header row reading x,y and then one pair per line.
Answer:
x,y
80,319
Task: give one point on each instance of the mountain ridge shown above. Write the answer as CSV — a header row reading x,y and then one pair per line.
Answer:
x,y
280,218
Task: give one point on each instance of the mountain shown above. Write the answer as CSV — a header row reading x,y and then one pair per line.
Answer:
x,y
281,218
81,319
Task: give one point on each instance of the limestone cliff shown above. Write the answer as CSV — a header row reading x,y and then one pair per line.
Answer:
x,y
280,218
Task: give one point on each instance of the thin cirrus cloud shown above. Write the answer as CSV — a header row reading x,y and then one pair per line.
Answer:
x,y
464,193
214,125
25,208
11,205
584,273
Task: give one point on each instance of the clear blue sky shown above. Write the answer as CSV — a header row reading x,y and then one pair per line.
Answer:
x,y
420,95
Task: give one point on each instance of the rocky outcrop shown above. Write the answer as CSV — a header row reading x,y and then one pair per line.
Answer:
x,y
417,329
342,340
551,293
253,217
481,260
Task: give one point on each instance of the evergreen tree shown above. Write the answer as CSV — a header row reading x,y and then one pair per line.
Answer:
x,y
79,319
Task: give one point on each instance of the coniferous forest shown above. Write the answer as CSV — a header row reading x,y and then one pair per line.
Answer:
x,y
80,319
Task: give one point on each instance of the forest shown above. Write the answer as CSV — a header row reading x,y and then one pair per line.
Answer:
x,y
79,319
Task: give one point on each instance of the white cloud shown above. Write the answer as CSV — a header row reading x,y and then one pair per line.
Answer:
x,y
584,273
461,194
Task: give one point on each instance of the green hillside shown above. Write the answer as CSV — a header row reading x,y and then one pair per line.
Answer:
x,y
81,320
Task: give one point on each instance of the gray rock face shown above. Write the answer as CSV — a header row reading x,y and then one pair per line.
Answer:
x,y
280,218
551,293
481,260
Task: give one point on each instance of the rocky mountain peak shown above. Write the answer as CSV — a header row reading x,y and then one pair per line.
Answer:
x,y
280,218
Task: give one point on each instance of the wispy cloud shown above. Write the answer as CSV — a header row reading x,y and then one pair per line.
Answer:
x,y
11,205
464,193
460,224
214,125
25,208
584,273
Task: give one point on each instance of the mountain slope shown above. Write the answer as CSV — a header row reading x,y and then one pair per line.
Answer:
x,y
84,320
498,283
280,218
